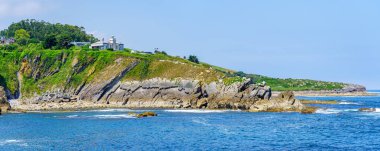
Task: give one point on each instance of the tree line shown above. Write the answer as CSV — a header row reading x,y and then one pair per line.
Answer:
x,y
51,36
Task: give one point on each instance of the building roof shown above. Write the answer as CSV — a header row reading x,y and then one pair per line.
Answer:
x,y
99,43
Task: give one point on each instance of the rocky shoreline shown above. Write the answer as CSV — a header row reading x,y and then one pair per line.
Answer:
x,y
163,93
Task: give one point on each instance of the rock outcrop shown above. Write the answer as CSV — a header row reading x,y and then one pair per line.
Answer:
x,y
285,101
367,109
4,104
144,114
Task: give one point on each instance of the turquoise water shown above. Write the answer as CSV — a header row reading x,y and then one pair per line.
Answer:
x,y
339,127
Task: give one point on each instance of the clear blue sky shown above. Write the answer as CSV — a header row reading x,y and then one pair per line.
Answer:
x,y
333,40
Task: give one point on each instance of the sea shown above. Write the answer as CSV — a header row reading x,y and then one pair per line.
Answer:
x,y
332,127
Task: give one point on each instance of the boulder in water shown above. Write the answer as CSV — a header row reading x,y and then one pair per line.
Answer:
x,y
144,114
367,109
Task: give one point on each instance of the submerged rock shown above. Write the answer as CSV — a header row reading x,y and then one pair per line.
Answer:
x,y
319,102
367,109
144,114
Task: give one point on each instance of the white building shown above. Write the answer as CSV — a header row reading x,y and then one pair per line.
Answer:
x,y
79,43
6,41
111,44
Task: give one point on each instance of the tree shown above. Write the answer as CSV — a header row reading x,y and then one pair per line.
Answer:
x,y
22,36
193,58
40,30
240,74
63,41
49,41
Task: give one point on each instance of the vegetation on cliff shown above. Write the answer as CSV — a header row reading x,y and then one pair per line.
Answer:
x,y
67,69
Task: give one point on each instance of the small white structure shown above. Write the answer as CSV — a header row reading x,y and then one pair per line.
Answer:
x,y
6,41
79,43
111,44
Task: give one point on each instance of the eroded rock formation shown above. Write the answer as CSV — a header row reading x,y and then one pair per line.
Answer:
x,y
4,105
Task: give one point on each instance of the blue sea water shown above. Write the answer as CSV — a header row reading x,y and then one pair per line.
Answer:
x,y
337,127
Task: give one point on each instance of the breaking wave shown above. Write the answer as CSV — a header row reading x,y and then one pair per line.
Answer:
x,y
201,121
197,111
336,111
117,116
351,110
348,103
101,116
13,142
72,116
328,111
109,110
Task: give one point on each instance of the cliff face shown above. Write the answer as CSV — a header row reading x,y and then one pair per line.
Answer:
x,y
153,93
77,79
4,105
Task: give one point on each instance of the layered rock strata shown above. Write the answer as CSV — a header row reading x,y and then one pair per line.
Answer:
x,y
164,93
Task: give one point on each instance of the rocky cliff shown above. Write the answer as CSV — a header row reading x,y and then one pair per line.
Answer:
x,y
4,105
153,93
50,80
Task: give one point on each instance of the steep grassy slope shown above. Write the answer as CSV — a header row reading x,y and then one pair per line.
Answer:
x,y
67,70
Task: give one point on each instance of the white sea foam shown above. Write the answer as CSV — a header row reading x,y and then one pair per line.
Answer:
x,y
328,111
197,111
375,114
72,116
109,110
220,127
101,116
350,110
348,103
13,142
202,121
115,116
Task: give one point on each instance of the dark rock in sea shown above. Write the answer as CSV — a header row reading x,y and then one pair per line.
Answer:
x,y
367,109
144,114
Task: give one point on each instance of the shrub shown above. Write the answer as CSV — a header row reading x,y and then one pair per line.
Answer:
x,y
193,58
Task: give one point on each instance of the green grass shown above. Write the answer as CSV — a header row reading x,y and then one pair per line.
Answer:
x,y
9,65
68,69
278,84
231,80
